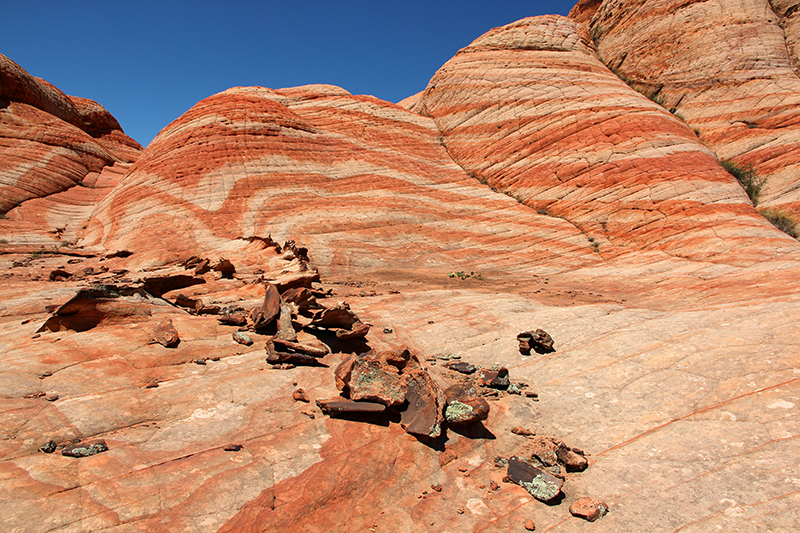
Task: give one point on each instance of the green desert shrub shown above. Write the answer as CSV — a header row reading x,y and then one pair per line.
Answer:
x,y
781,220
747,177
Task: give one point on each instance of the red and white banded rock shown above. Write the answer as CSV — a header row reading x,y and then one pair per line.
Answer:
x,y
729,68
530,109
360,181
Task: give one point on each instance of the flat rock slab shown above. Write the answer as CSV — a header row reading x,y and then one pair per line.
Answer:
x,y
340,405
588,508
541,485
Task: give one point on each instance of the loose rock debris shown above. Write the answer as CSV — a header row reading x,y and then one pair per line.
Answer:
x,y
85,449
588,508
537,340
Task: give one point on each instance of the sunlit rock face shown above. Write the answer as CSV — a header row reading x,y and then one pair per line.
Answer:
x,y
361,181
728,68
169,362
531,110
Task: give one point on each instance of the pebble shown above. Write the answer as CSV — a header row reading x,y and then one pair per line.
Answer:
x,y
530,526
232,447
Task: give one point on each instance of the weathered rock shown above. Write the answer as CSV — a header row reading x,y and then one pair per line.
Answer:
x,y
232,447
496,379
302,298
313,351
343,373
464,406
462,367
300,395
339,405
48,447
543,449
286,330
242,338
194,304
270,308
588,508
233,320
225,268
423,416
572,461
166,335
59,275
85,449
373,382
537,340
340,320
525,432
159,285
529,525
541,485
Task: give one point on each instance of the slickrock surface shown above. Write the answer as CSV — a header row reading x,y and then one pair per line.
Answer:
x,y
49,144
728,67
670,393
530,109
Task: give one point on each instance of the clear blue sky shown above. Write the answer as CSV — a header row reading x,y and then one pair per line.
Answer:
x,y
148,62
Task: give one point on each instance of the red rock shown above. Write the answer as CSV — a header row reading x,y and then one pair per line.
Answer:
x,y
541,485
537,340
423,416
340,405
530,526
344,372
464,406
300,395
573,462
373,382
588,508
166,335
519,430
270,309
233,320
496,379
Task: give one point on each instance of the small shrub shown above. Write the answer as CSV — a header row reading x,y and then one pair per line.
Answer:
x,y
678,115
781,220
3,241
747,176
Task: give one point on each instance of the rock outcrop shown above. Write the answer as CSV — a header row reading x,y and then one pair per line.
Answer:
x,y
729,69
670,359
49,144
531,110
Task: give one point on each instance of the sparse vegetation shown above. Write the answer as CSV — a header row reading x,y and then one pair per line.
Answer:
x,y
747,176
781,220
463,275
3,241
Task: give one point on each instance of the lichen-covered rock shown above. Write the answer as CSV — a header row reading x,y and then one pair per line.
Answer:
x,y
372,382
588,508
85,449
464,406
541,485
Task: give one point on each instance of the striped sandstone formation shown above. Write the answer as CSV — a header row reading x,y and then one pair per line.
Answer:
x,y
729,68
530,109
360,181
588,210
49,143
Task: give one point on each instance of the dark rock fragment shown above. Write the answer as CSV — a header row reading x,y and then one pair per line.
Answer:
x,y
496,379
302,298
232,447
464,406
59,275
541,485
338,405
225,268
270,308
48,447
519,430
233,320
423,416
588,508
572,461
51,397
537,340
462,367
85,449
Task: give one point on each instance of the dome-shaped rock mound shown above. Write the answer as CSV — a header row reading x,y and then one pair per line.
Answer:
x,y
730,69
530,109
49,143
359,180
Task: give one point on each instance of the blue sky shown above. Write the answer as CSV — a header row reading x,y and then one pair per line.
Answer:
x,y
148,62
